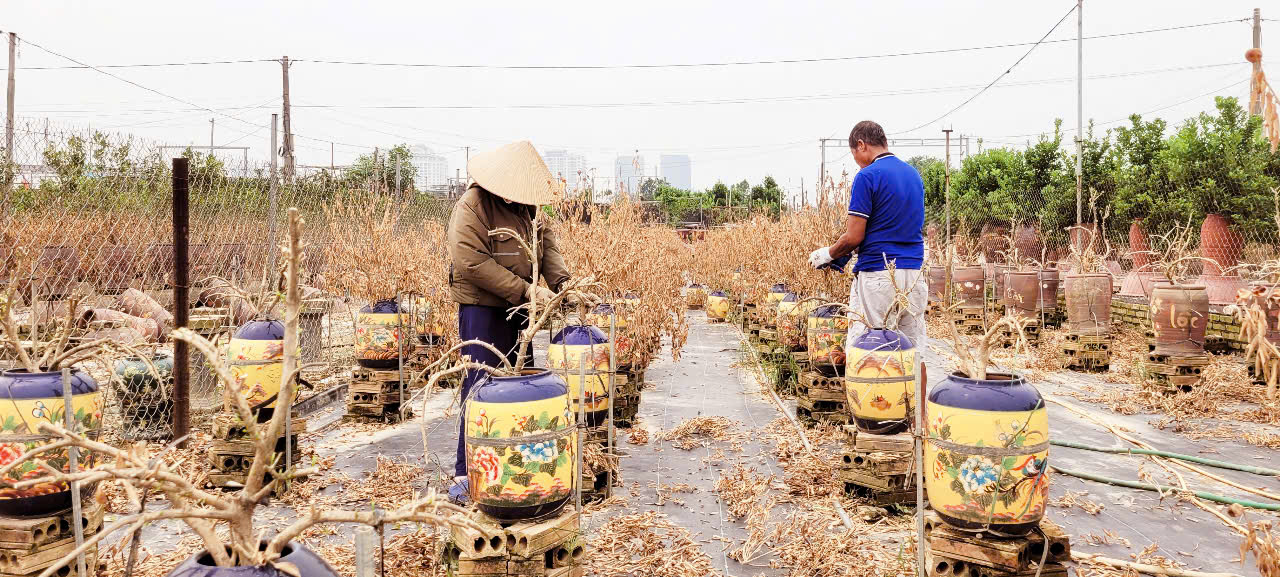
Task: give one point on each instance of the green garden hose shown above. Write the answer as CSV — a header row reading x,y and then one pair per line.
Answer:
x,y
1178,456
1165,488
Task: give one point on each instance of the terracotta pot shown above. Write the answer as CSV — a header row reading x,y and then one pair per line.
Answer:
x,y
1218,243
1000,282
1049,281
986,453
1088,303
994,242
156,265
1082,235
1267,297
140,304
113,268
1179,317
56,269
219,293
969,285
937,279
1023,289
148,327
1027,241
1138,246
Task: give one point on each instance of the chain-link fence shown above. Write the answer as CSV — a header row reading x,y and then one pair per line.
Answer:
x,y
88,216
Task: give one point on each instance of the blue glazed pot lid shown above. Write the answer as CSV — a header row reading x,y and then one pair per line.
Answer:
x,y
717,294
381,307
261,330
19,384
603,309
789,298
883,340
580,335
826,311
517,389
1007,394
778,288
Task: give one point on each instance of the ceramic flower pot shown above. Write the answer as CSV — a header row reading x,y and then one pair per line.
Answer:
x,y
1138,246
1049,282
1220,244
1265,296
220,293
1027,241
776,293
1000,282
428,324
986,454
115,266
968,284
1022,292
581,354
606,313
133,377
148,328
256,357
1179,318
378,330
1088,299
791,321
825,334
936,276
879,381
695,296
520,444
717,305
29,399
308,563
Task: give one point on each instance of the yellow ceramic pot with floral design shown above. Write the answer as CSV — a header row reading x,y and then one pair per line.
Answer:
x,y
256,356
879,381
791,321
717,305
987,454
520,445
428,324
604,314
695,296
378,328
581,354
825,334
776,293
26,400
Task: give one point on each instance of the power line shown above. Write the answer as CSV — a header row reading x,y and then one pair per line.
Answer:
x,y
997,78
761,99
150,64
755,62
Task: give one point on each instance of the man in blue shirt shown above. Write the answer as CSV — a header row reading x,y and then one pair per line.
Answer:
x,y
886,223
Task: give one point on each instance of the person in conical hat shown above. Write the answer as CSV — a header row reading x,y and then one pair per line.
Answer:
x,y
489,275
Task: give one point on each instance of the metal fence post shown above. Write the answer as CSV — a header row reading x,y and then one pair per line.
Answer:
x,y
181,289
73,454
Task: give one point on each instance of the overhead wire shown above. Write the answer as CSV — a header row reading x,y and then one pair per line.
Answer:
x,y
997,78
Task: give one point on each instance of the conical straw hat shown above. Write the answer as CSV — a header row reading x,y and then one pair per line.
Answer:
x,y
515,172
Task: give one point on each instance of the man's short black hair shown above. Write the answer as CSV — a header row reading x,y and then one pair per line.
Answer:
x,y
868,132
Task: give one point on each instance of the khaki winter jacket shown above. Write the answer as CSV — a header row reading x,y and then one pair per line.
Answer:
x,y
495,271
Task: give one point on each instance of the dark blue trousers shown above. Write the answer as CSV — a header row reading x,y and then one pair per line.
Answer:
x,y
488,324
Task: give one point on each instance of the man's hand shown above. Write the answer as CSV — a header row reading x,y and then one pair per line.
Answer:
x,y
820,257
540,294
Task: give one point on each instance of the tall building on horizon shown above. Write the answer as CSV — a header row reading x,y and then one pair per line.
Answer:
x,y
628,172
433,169
677,170
567,165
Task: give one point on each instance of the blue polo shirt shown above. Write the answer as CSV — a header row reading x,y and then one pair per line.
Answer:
x,y
889,193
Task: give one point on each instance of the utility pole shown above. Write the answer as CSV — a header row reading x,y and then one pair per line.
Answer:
x,y
467,165
211,137
1255,96
330,156
288,127
946,193
1079,111
822,169
8,118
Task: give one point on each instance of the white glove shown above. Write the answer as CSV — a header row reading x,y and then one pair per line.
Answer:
x,y
540,294
820,257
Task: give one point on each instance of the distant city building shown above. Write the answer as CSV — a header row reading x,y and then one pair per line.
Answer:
x,y
433,169
628,173
566,165
677,169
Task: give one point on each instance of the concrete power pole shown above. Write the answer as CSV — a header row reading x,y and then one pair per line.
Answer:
x,y
1079,111
1255,97
211,136
288,130
946,193
8,116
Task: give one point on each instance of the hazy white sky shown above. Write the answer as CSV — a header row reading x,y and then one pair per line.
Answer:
x,y
734,121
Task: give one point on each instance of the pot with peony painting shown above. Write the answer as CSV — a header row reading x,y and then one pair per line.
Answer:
x,y
582,355
717,305
256,357
521,446
28,400
378,330
879,381
826,329
986,454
